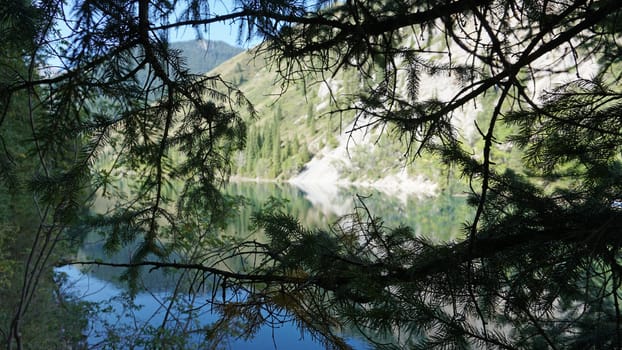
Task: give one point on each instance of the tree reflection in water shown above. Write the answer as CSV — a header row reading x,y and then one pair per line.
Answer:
x,y
181,309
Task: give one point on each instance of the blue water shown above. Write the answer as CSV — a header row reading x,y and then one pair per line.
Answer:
x,y
149,311
434,217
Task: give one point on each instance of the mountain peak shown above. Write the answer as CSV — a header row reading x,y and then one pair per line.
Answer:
x,y
204,55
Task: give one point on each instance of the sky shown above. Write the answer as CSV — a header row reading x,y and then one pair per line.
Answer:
x,y
226,32
219,31
223,31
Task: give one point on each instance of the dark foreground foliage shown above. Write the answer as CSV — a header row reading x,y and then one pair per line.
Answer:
x,y
539,265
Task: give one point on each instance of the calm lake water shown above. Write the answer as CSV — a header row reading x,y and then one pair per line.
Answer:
x,y
122,319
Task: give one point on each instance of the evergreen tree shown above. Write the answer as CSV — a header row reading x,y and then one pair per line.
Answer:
x,y
31,222
253,147
276,143
311,117
540,262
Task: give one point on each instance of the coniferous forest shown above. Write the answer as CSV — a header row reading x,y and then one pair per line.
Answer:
x,y
107,131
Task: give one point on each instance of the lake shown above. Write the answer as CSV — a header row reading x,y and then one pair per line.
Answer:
x,y
128,321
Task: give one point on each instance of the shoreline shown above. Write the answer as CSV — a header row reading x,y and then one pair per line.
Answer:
x,y
396,185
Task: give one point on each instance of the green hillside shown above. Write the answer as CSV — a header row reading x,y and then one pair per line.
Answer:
x,y
295,126
291,128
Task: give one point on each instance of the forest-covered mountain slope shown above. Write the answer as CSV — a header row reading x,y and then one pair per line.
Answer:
x,y
298,137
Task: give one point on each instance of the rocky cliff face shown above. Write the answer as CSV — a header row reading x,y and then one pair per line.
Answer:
x,y
342,151
347,150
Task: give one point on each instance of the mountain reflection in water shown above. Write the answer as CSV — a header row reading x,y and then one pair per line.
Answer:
x,y
148,310
118,315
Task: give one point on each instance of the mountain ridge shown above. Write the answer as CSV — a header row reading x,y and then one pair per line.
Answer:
x,y
317,148
297,139
204,55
